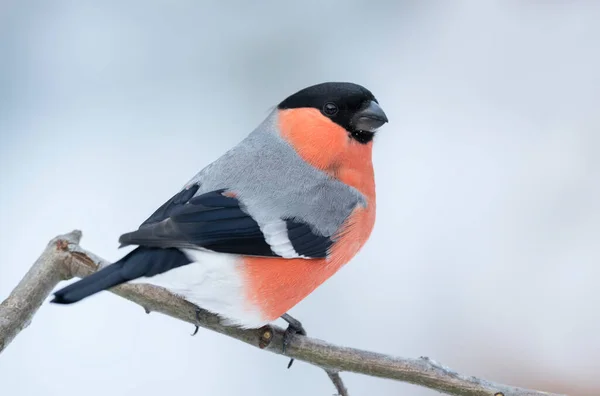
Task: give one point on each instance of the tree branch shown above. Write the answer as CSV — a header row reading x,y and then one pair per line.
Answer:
x,y
64,259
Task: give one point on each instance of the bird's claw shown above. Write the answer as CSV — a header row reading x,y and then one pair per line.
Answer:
x,y
290,332
198,319
294,327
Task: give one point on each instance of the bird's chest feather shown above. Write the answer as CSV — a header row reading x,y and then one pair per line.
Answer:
x,y
274,285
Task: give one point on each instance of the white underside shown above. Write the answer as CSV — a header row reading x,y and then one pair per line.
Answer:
x,y
213,282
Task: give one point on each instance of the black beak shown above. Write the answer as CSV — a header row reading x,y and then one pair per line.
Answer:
x,y
369,118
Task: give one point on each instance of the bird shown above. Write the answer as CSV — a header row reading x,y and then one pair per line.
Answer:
x,y
260,228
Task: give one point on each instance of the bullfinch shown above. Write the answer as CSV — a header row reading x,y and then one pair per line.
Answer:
x,y
260,228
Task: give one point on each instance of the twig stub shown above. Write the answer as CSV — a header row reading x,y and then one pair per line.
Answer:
x,y
266,337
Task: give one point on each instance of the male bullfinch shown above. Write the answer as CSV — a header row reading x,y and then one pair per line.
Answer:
x,y
256,231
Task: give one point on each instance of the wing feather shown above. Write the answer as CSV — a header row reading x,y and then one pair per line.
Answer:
x,y
218,222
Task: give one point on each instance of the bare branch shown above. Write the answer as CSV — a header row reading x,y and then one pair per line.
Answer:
x,y
18,309
334,376
64,259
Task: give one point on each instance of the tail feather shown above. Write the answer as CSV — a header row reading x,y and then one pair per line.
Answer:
x,y
104,279
138,263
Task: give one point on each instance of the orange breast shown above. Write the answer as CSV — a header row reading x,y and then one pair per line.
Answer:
x,y
275,285
328,147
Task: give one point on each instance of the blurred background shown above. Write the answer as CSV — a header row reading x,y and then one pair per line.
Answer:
x,y
485,255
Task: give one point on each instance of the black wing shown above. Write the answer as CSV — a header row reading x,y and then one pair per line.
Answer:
x,y
217,222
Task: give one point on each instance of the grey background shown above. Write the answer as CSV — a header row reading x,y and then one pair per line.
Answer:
x,y
485,253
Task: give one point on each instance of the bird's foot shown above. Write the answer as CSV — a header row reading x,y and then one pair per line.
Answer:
x,y
198,319
294,327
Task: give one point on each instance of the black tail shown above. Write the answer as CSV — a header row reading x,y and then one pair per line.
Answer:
x,y
140,262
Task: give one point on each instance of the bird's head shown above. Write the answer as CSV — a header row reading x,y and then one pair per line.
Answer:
x,y
332,125
335,108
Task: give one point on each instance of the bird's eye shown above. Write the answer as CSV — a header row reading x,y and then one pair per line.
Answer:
x,y
330,109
